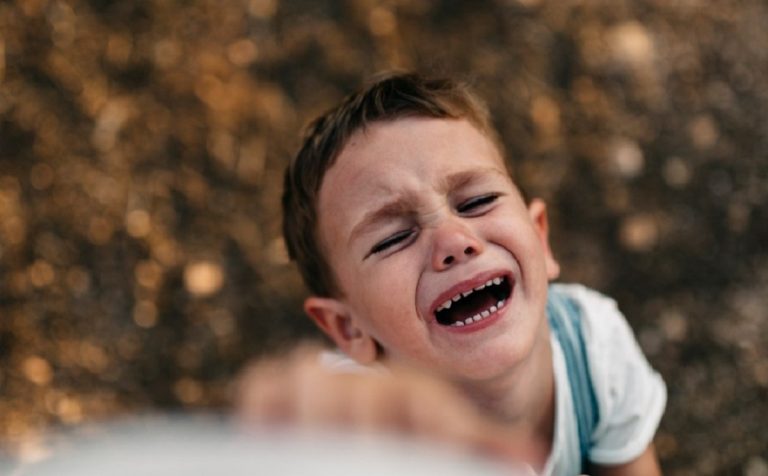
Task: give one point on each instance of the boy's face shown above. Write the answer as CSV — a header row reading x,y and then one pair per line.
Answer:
x,y
417,212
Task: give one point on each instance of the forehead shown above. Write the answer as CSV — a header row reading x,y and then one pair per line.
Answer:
x,y
388,152
405,157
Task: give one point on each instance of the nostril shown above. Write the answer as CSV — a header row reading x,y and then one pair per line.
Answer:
x,y
448,260
469,251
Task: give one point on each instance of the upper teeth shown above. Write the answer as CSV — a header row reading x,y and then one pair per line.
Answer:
x,y
458,296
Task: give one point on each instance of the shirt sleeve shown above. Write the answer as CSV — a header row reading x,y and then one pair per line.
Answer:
x,y
631,395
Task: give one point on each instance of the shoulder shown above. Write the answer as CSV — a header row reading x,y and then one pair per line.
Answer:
x,y
631,395
604,327
594,305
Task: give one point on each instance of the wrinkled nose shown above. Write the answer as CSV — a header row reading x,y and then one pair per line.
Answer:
x,y
453,243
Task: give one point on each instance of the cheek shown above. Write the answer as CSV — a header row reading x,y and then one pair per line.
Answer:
x,y
512,233
393,291
384,294
517,237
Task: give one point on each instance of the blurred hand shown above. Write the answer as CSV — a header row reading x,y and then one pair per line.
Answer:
x,y
299,390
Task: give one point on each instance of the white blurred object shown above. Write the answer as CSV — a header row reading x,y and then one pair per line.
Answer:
x,y
213,447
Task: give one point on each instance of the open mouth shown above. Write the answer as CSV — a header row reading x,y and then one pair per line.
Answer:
x,y
474,305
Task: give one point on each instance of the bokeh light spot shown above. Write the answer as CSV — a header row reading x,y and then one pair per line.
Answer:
x,y
382,21
138,223
262,8
631,43
100,230
627,158
203,278
41,274
242,52
37,370
148,274
639,232
187,390
78,280
676,172
93,357
145,314
703,132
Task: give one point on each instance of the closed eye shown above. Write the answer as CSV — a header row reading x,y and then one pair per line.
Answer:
x,y
391,241
477,205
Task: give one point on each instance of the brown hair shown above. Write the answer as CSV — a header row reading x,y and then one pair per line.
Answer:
x,y
388,97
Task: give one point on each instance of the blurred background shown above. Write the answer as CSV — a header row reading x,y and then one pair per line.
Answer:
x,y
142,146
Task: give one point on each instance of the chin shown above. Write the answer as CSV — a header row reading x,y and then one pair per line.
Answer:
x,y
494,364
526,347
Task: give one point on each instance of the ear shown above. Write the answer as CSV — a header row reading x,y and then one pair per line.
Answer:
x,y
338,323
538,213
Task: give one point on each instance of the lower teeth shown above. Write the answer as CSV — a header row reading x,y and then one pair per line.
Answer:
x,y
480,316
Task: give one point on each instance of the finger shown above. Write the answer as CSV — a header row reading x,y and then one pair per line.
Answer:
x,y
263,393
439,411
378,404
266,390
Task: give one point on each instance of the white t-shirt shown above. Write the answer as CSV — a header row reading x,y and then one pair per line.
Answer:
x,y
630,395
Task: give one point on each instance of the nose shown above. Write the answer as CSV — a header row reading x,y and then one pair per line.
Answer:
x,y
454,242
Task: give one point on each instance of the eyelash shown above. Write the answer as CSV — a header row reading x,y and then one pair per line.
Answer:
x,y
474,203
392,241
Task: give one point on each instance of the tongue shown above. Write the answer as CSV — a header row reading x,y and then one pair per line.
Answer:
x,y
467,307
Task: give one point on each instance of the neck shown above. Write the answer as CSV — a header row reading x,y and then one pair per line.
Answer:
x,y
523,401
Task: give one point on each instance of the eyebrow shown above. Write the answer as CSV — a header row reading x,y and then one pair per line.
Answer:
x,y
395,208
406,203
468,177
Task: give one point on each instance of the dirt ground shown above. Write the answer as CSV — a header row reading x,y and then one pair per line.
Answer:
x,y
142,146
